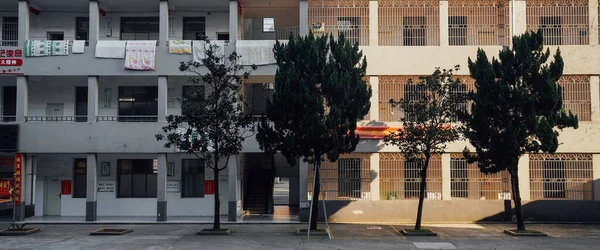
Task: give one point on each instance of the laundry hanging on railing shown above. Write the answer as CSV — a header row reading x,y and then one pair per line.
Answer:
x,y
259,52
78,47
36,48
110,49
140,55
200,48
180,47
59,48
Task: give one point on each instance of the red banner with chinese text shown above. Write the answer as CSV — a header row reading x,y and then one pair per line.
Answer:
x,y
18,177
209,187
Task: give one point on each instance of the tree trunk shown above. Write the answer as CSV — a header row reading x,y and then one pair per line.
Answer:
x,y
217,221
514,178
314,220
422,194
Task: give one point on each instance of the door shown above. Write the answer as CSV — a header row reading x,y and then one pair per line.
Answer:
x,y
54,111
55,36
52,196
81,104
9,103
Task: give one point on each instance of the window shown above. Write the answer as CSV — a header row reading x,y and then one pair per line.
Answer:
x,y
139,28
412,176
259,96
137,178
79,178
457,30
459,182
551,29
81,104
350,27
194,28
554,176
223,36
268,24
414,31
192,178
10,31
455,92
9,104
192,99
55,36
82,27
349,178
138,103
414,93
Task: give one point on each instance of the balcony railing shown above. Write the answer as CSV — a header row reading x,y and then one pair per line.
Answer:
x,y
284,33
9,43
55,118
127,118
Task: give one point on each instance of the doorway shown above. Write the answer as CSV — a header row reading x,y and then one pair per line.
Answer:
x,y
9,104
52,197
281,196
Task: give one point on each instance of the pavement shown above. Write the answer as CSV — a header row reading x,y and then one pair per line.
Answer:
x,y
281,236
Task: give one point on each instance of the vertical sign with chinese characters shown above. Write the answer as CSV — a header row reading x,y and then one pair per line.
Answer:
x,y
65,187
18,176
10,61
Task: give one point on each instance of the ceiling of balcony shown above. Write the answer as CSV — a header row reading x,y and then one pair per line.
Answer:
x,y
270,3
8,5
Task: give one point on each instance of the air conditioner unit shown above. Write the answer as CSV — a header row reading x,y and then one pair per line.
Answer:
x,y
434,195
504,196
318,27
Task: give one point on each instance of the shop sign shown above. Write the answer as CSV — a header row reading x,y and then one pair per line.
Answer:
x,y
106,186
5,190
18,173
173,187
65,187
10,61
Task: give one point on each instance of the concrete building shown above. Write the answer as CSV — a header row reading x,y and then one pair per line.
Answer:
x,y
86,124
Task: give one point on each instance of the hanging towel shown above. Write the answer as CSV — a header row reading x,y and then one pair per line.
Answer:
x,y
140,55
110,49
59,48
78,46
180,47
259,52
34,48
201,46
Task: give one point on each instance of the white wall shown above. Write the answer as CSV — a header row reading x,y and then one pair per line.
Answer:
x,y
45,22
215,22
44,90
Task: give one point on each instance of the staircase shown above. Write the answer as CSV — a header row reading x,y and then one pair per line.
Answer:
x,y
259,192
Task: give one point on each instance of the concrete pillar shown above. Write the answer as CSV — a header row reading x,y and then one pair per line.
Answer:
x,y
446,177
519,17
373,23
444,36
94,18
91,200
596,176
375,196
595,97
233,22
92,98
303,22
524,182
163,23
163,88
22,98
233,183
23,22
29,184
161,188
303,173
593,16
374,111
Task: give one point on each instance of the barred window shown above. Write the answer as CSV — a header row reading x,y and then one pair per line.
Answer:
x,y
350,17
400,179
467,181
576,96
561,176
562,22
10,31
409,23
392,87
348,178
478,22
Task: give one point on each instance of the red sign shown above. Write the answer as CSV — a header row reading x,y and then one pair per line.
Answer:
x,y
10,61
209,187
5,190
7,162
18,176
65,187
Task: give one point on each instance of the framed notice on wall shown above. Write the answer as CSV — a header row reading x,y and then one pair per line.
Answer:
x,y
107,97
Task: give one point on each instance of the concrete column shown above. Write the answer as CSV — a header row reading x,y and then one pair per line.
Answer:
x,y
446,176
524,182
375,195
519,17
374,111
233,22
163,23
373,23
163,88
23,22
29,184
303,23
233,179
595,97
91,199
444,41
596,176
92,98
22,98
593,11
161,188
94,18
303,178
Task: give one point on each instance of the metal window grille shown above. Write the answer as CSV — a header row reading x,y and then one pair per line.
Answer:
x,y
348,178
400,179
478,22
409,23
368,80
392,87
563,22
576,96
467,182
561,176
10,31
336,16
469,85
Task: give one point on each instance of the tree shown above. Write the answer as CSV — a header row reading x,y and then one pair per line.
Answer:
x,y
318,99
516,108
213,124
429,108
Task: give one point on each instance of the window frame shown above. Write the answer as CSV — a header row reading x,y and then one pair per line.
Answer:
x,y
201,166
200,19
10,31
130,94
414,31
149,22
457,30
349,178
265,28
75,193
85,30
152,174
